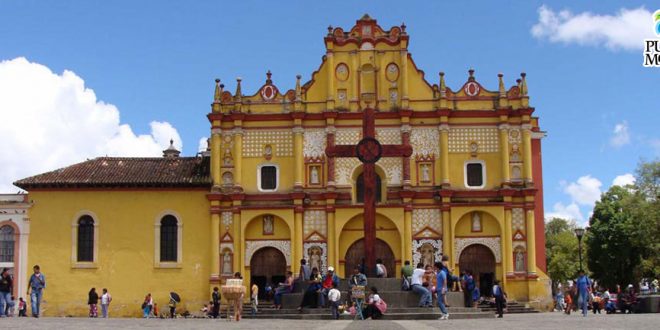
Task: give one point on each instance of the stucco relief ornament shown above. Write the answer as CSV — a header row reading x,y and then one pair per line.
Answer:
x,y
419,243
493,243
316,255
314,144
471,89
283,246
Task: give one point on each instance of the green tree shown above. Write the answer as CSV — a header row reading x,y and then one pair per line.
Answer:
x,y
623,241
561,248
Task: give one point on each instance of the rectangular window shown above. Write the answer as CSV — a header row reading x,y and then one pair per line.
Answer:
x,y
268,177
475,175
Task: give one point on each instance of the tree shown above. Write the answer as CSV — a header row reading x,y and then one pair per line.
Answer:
x,y
561,248
623,241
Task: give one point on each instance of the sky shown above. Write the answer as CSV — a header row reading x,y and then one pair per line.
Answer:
x,y
81,79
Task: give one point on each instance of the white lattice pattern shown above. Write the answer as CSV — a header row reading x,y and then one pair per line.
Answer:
x,y
252,246
393,167
254,142
518,219
425,142
314,221
348,136
344,169
314,143
493,243
461,138
422,218
515,135
227,220
388,135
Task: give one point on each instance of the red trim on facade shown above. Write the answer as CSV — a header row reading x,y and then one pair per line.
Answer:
x,y
539,212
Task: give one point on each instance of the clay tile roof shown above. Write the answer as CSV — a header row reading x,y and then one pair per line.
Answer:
x,y
126,172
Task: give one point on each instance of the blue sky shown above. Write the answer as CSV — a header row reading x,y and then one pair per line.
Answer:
x,y
156,61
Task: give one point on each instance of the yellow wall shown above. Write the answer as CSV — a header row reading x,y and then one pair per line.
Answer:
x,y
126,249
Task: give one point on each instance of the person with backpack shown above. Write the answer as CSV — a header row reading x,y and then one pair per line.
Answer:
x,y
500,298
467,283
215,298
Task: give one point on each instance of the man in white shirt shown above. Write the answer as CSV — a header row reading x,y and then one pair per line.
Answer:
x,y
334,296
425,299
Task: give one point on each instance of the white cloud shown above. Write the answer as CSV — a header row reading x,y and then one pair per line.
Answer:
x,y
585,191
623,180
620,136
626,29
52,120
202,144
569,212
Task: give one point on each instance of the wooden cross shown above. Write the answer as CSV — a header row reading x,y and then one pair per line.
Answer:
x,y
369,151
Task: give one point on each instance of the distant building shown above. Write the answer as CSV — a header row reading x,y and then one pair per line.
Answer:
x,y
14,234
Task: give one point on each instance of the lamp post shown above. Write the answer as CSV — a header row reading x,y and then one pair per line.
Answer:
x,y
579,232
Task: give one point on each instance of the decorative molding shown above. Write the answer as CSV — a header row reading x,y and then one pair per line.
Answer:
x,y
314,144
518,220
425,142
255,140
417,244
393,167
493,243
348,136
324,254
283,246
423,218
486,138
314,221
227,220
344,169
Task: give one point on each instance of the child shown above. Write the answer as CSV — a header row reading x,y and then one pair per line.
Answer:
x,y
334,296
156,310
22,307
10,307
254,302
569,303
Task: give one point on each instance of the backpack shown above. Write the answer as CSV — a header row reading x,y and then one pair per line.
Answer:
x,y
470,283
405,284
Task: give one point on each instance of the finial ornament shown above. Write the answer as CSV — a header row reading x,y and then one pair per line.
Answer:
x,y
502,89
523,84
268,75
403,28
471,73
443,86
330,29
239,95
218,92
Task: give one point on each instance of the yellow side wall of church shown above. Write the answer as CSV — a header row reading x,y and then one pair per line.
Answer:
x,y
126,247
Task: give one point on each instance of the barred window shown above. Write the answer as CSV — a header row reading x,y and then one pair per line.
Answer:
x,y
86,239
268,178
168,239
6,244
475,175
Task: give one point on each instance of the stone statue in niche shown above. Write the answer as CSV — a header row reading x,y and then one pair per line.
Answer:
x,y
520,261
314,175
227,158
268,224
515,153
314,256
426,177
226,263
268,152
227,178
427,253
515,173
476,221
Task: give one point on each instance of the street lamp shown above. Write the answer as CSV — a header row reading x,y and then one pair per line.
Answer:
x,y
579,232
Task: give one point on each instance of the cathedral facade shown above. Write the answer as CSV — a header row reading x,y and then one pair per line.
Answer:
x,y
266,194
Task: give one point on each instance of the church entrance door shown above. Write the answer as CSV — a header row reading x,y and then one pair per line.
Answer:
x,y
268,265
480,261
355,255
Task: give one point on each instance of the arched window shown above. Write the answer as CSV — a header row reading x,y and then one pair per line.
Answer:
x,y
168,239
6,244
359,189
85,239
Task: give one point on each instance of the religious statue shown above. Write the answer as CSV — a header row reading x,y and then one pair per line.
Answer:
x,y
314,175
425,173
268,152
268,224
314,255
520,261
226,263
515,173
227,178
476,221
427,253
515,153
227,157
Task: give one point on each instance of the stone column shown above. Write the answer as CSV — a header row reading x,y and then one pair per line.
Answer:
x,y
330,100
238,157
405,139
504,153
298,154
297,244
216,154
332,236
444,154
330,142
239,243
508,250
407,233
215,246
531,243
527,152
447,239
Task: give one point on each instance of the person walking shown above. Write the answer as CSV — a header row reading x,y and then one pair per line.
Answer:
x,y
334,296
467,282
92,301
6,286
215,299
441,289
500,298
584,289
37,284
106,299
425,298
22,307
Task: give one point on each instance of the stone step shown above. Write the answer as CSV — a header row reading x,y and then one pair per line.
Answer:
x,y
383,284
389,310
393,298
388,316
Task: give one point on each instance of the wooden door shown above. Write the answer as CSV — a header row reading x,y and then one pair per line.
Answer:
x,y
268,265
355,254
480,262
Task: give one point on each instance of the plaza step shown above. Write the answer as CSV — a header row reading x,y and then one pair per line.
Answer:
x,y
511,308
393,298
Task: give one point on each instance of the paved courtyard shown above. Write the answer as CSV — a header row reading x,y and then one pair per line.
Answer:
x,y
515,321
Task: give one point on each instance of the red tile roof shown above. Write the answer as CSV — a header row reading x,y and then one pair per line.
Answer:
x,y
126,172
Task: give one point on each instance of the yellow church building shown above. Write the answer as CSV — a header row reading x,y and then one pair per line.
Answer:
x,y
266,194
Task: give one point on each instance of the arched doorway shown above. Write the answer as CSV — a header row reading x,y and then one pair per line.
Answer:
x,y
480,261
268,265
355,254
